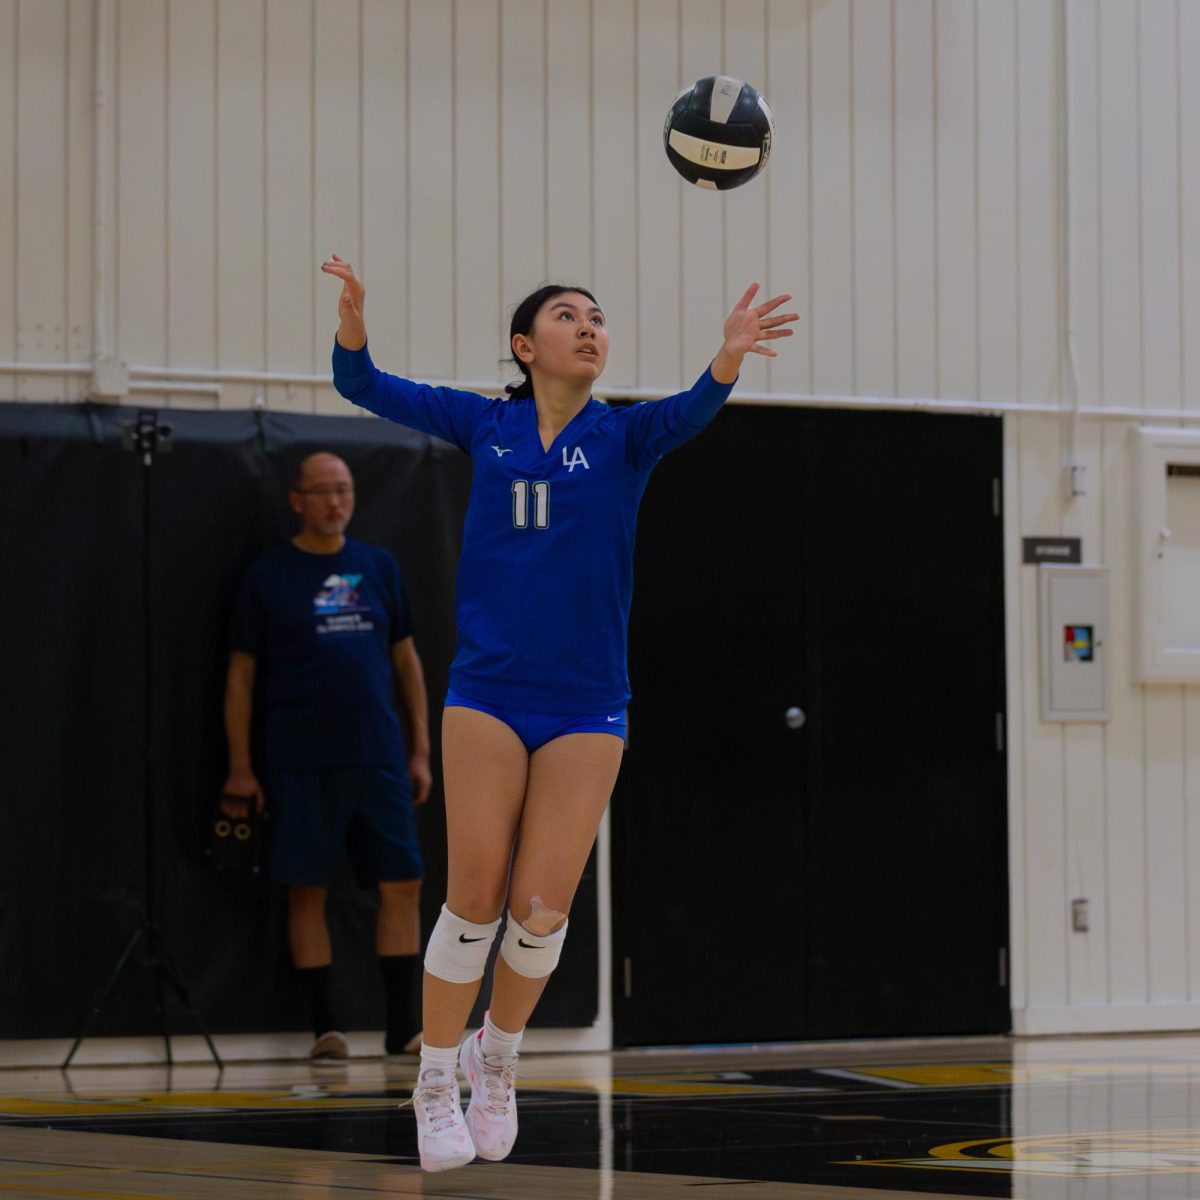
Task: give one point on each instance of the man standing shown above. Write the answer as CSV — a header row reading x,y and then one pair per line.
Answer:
x,y
322,624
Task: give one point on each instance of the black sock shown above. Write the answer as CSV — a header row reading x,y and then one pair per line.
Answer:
x,y
317,983
401,977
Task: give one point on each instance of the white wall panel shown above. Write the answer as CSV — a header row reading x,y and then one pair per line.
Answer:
x,y
523,264
996,181
290,285
702,277
614,266
191,199
77,235
568,126
239,170
41,179
659,193
337,177
1124,766
1118,186
1187,56
478,304
830,191
916,214
787,186
873,170
1045,849
383,253
1158,201
9,231
953,185
743,39
956,197
1038,201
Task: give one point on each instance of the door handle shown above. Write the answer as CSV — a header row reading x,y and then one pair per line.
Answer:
x,y
795,717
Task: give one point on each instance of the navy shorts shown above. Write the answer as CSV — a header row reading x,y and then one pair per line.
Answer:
x,y
536,729
366,812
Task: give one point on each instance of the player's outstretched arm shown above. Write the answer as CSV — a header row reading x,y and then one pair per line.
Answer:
x,y
352,332
745,327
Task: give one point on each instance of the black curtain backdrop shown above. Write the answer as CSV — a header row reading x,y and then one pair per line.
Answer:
x,y
72,728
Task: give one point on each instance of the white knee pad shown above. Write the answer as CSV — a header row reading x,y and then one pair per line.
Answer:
x,y
529,954
458,949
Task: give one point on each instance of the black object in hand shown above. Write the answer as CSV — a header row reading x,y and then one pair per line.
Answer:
x,y
233,845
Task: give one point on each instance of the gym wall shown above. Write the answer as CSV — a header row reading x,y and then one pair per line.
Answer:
x,y
953,187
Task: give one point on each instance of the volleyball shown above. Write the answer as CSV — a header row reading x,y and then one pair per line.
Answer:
x,y
718,133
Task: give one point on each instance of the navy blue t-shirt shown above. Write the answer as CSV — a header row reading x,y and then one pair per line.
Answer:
x,y
545,577
320,627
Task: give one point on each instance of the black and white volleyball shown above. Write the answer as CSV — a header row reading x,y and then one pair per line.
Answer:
x,y
718,133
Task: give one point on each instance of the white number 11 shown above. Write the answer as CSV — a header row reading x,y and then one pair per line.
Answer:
x,y
541,504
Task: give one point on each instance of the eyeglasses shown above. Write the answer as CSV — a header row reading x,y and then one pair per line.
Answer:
x,y
342,491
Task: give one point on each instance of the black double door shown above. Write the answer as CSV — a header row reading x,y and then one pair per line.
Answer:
x,y
809,828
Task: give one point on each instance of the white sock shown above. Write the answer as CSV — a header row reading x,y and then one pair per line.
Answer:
x,y
496,1041
438,1065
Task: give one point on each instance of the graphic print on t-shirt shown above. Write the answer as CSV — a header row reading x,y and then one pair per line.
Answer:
x,y
339,603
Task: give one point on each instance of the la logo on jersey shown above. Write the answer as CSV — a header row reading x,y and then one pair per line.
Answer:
x,y
577,459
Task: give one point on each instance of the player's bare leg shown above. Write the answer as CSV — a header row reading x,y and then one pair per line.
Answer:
x,y
570,781
485,769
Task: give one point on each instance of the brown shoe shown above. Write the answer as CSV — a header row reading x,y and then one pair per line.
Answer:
x,y
330,1045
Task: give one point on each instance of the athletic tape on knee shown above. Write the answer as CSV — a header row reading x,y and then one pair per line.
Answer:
x,y
458,949
530,954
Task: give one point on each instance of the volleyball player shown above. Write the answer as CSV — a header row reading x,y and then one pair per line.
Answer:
x,y
534,721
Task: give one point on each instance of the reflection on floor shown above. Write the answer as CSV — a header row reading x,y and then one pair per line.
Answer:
x,y
1068,1118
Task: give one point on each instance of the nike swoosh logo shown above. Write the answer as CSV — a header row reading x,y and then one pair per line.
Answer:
x,y
522,942
462,937
616,718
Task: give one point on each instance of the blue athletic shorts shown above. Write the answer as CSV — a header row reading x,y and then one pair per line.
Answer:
x,y
536,729
366,812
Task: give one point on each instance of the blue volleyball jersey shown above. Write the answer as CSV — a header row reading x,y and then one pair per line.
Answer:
x,y
545,577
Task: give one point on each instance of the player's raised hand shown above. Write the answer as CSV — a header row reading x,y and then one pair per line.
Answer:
x,y
749,324
352,332
746,327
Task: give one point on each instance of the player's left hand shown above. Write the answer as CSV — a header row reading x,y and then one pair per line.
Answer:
x,y
748,325
421,776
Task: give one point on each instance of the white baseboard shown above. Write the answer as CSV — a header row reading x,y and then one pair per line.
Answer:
x,y
254,1047
1106,1018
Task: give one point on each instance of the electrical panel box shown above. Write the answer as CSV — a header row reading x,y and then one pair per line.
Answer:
x,y
1073,615
1167,549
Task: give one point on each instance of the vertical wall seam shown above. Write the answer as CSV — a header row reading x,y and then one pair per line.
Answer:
x,y
361,240
66,232
1018,161
166,197
500,172
679,311
547,270
808,152
850,131
408,131
265,195
637,191
216,185
453,55
937,243
975,185
312,185
1179,221
1139,241
16,192
895,216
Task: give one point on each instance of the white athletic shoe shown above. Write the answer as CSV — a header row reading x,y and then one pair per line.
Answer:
x,y
443,1139
492,1110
